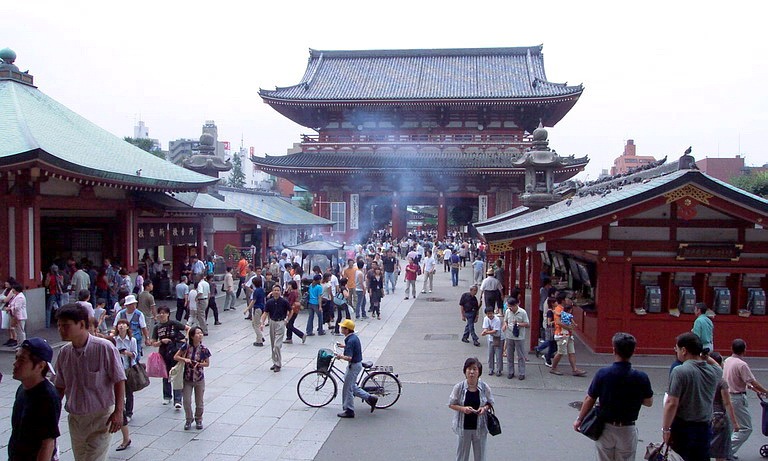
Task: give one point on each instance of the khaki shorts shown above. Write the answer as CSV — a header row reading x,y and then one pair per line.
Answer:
x,y
565,345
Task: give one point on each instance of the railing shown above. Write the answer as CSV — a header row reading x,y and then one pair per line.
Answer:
x,y
443,138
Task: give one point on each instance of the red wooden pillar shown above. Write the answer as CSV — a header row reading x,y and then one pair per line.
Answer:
x,y
26,247
509,265
535,298
442,216
491,204
522,260
264,244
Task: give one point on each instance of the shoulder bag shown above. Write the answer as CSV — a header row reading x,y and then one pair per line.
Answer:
x,y
136,378
592,425
492,422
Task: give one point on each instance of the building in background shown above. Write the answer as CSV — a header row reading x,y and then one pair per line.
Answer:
x,y
181,149
141,131
629,159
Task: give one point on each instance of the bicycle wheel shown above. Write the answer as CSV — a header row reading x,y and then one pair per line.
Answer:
x,y
383,385
316,388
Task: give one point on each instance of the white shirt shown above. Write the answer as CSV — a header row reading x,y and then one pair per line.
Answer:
x,y
447,254
492,324
192,303
203,289
334,284
429,264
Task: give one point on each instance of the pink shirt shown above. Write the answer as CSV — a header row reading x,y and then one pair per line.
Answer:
x,y
18,306
88,375
737,374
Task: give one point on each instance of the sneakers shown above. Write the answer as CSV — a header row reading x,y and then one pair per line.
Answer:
x,y
372,400
217,323
288,341
188,425
166,401
423,292
477,343
548,363
521,377
321,333
199,426
177,405
510,376
258,344
464,340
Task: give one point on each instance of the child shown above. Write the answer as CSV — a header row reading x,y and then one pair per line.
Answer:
x,y
100,314
492,329
566,317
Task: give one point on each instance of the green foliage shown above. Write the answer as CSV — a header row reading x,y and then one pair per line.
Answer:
x,y
236,176
231,254
147,145
306,203
756,183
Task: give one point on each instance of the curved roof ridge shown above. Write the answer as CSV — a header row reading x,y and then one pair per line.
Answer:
x,y
22,125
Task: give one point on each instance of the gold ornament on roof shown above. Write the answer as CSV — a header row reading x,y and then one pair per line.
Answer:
x,y
688,191
502,246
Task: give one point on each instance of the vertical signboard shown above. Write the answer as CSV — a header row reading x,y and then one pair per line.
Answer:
x,y
354,211
482,207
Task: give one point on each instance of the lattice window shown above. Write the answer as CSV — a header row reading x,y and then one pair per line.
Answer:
x,y
339,216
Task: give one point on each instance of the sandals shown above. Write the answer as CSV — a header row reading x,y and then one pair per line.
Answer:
x,y
555,372
123,446
579,373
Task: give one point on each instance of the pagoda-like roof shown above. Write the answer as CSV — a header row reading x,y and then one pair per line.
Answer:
x,y
487,74
609,197
35,130
371,161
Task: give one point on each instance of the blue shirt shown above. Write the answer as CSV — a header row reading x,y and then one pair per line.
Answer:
x,y
259,298
621,390
315,291
353,348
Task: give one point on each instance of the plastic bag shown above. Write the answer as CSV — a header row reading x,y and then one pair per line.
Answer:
x,y
156,366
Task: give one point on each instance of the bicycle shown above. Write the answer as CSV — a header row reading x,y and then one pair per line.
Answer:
x,y
318,388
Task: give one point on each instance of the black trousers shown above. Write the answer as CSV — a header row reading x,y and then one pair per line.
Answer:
x,y
181,310
212,306
290,329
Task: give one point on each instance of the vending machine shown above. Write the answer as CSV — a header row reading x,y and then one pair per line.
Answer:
x,y
652,299
687,300
722,302
756,301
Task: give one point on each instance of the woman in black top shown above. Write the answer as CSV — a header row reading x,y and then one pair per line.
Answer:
x,y
471,399
376,291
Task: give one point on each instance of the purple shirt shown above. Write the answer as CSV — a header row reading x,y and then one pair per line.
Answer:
x,y
88,375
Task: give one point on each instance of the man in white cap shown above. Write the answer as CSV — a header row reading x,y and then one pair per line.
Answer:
x,y
137,320
353,353
37,408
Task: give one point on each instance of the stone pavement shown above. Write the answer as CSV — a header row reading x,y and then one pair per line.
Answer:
x,y
254,414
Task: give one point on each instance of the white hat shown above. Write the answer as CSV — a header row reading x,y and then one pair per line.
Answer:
x,y
130,299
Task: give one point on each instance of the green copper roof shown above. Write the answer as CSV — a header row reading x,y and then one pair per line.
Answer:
x,y
271,208
34,127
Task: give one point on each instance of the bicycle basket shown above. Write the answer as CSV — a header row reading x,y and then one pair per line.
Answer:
x,y
324,359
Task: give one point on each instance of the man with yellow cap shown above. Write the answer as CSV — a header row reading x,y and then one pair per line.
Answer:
x,y
353,353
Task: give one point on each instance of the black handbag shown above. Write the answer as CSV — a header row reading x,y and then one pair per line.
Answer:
x,y
592,425
494,426
136,378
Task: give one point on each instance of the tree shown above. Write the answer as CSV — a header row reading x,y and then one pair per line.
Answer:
x,y
756,183
305,203
236,176
147,145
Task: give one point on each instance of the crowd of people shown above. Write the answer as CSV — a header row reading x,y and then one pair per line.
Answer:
x,y
705,412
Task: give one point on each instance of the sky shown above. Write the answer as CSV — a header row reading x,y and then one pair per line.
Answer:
x,y
667,74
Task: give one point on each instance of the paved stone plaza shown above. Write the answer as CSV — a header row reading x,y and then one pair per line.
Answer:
x,y
252,413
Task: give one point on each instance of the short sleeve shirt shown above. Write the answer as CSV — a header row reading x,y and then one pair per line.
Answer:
x,y
694,383
196,354
621,391
737,374
35,418
277,309
469,303
492,324
353,348
182,290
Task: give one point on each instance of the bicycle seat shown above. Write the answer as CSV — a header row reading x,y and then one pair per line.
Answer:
x,y
367,365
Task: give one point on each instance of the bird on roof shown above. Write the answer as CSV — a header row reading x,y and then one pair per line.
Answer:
x,y
688,151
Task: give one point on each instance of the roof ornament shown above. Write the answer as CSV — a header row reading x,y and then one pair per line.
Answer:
x,y
7,58
687,162
206,161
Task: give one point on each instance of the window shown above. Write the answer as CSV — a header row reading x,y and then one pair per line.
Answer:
x,y
339,216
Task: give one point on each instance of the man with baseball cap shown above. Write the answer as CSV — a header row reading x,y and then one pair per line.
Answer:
x,y
37,408
353,353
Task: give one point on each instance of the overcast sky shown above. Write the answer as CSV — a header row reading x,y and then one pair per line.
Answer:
x,y
666,74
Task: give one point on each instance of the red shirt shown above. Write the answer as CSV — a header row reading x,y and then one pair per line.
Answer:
x,y
411,270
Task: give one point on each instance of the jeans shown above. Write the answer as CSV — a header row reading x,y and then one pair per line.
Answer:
x,y
515,345
360,306
469,329
551,347
469,438
454,276
350,389
199,388
49,308
390,278
741,410
314,310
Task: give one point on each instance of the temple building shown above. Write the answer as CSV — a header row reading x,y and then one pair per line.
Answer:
x,y
637,250
402,128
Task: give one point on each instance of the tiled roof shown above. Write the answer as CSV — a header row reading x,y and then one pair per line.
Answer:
x,y
187,201
603,199
33,126
316,246
271,208
472,73
371,161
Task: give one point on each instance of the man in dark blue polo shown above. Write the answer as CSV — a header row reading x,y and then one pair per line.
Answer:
x,y
620,391
353,353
